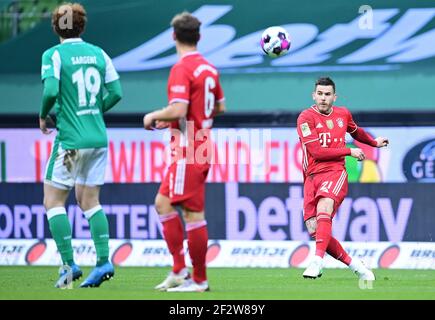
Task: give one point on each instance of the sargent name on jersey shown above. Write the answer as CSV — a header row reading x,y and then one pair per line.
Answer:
x,y
84,60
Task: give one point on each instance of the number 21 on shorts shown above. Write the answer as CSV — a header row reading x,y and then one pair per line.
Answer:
x,y
326,185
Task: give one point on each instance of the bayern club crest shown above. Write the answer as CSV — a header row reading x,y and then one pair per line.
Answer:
x,y
340,122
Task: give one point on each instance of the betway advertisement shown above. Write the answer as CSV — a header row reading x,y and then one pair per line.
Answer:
x,y
346,36
393,212
254,155
372,50
386,42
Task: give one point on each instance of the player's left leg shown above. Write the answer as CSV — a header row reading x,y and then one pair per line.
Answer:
x,y
54,203
60,228
58,181
336,250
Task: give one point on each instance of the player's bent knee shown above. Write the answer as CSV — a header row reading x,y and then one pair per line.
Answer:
x,y
162,204
325,205
87,203
79,203
191,216
50,202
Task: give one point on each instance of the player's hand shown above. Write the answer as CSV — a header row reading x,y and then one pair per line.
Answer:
x,y
357,153
45,123
148,122
159,124
382,142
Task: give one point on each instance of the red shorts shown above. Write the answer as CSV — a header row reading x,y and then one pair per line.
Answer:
x,y
184,184
329,184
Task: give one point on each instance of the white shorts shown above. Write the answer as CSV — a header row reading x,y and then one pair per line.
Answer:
x,y
65,168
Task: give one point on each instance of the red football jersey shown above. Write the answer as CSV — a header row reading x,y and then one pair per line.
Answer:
x,y
193,80
327,130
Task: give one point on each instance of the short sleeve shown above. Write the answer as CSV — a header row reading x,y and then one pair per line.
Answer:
x,y
51,64
306,129
178,85
351,125
111,74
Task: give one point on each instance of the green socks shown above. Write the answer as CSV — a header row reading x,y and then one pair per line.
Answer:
x,y
100,233
61,232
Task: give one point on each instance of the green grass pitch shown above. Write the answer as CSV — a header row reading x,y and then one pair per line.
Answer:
x,y
31,282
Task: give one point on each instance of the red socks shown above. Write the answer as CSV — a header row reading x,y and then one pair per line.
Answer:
x,y
197,240
174,236
323,233
335,250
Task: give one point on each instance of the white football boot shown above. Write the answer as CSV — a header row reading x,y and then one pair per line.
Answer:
x,y
173,280
314,269
363,273
191,286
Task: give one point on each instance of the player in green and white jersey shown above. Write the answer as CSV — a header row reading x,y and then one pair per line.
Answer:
x,y
81,82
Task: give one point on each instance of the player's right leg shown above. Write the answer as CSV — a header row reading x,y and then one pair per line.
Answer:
x,y
57,184
324,210
173,234
314,269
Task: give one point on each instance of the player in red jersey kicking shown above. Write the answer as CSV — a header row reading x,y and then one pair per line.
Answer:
x,y
322,129
195,97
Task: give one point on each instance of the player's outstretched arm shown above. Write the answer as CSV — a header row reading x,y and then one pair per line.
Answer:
x,y
325,154
362,136
172,112
113,95
382,142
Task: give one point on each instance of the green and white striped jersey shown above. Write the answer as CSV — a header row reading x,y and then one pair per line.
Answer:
x,y
82,70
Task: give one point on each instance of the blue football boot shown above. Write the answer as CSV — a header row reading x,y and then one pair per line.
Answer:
x,y
68,274
98,275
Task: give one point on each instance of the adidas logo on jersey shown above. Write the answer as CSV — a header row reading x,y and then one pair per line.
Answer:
x,y
319,125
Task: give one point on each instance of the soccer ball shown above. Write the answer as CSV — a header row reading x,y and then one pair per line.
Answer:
x,y
275,41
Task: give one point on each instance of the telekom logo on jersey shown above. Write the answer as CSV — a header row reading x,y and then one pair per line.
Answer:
x,y
324,138
391,41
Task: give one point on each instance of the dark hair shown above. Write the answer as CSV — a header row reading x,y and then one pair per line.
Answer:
x,y
71,26
325,81
186,28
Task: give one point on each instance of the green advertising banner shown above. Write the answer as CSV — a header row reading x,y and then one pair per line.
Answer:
x,y
381,53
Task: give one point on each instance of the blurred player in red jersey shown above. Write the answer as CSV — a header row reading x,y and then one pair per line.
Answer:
x,y
322,129
195,96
